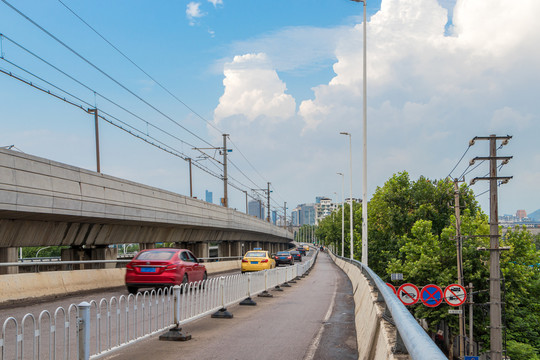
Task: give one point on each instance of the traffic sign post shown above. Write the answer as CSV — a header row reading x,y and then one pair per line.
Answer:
x,y
391,287
455,295
408,294
431,295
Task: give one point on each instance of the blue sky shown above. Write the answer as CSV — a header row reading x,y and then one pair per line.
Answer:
x,y
283,78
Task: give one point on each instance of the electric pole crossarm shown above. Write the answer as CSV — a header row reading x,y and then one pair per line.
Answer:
x,y
504,179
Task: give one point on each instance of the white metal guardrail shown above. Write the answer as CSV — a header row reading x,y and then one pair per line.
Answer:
x,y
92,330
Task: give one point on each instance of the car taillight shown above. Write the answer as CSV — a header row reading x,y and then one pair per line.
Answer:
x,y
129,267
264,261
289,257
244,260
171,267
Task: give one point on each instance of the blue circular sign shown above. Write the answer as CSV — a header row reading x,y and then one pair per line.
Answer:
x,y
431,295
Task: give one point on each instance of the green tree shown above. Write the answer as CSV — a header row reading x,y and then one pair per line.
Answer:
x,y
395,208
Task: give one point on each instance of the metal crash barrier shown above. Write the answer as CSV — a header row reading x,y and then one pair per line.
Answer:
x,y
417,342
91,330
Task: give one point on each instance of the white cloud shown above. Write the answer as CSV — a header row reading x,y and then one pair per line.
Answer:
x,y
193,12
253,91
506,119
429,91
216,2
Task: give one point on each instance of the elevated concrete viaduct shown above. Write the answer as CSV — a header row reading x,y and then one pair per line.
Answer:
x,y
46,203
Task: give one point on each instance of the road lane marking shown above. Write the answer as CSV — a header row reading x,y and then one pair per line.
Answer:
x,y
315,343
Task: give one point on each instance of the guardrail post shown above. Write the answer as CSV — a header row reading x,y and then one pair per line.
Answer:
x,y
222,313
175,333
277,288
83,330
248,300
265,293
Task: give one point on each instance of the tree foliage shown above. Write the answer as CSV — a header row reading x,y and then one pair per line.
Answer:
x,y
412,230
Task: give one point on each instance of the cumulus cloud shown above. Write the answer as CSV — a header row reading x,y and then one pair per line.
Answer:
x,y
216,2
431,88
253,91
193,12
506,119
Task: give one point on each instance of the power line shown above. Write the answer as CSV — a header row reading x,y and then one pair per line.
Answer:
x,y
116,82
138,67
103,72
167,148
462,156
83,85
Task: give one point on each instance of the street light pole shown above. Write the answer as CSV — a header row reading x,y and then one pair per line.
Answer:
x,y
364,156
351,198
342,214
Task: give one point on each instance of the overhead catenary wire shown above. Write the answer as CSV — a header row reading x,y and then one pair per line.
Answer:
x,y
85,86
163,146
141,69
122,86
132,130
103,72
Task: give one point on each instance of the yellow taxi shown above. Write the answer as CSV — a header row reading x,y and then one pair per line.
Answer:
x,y
306,247
256,260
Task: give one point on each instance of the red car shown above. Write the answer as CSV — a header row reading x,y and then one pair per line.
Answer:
x,y
163,267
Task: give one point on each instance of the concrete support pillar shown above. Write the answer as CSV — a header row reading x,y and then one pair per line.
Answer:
x,y
236,248
8,255
180,245
144,246
200,249
224,249
74,253
103,252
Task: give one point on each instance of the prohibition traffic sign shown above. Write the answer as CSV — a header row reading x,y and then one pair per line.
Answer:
x,y
431,295
391,287
408,294
455,295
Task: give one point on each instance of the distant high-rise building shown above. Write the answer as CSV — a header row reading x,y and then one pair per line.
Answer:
x,y
295,217
255,208
307,214
520,214
274,217
209,196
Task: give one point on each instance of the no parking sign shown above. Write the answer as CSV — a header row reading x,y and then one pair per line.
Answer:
x,y
431,295
455,295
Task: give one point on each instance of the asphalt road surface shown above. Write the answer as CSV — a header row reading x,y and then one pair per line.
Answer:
x,y
313,319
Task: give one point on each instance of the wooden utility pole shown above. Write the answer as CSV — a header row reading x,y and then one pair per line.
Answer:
x,y
459,267
190,180
268,196
96,125
471,320
285,215
495,313
225,196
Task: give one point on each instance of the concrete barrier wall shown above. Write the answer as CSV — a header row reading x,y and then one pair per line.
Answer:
x,y
375,336
55,283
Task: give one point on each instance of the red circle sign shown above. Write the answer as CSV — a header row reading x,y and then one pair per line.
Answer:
x,y
431,295
391,287
455,295
408,294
